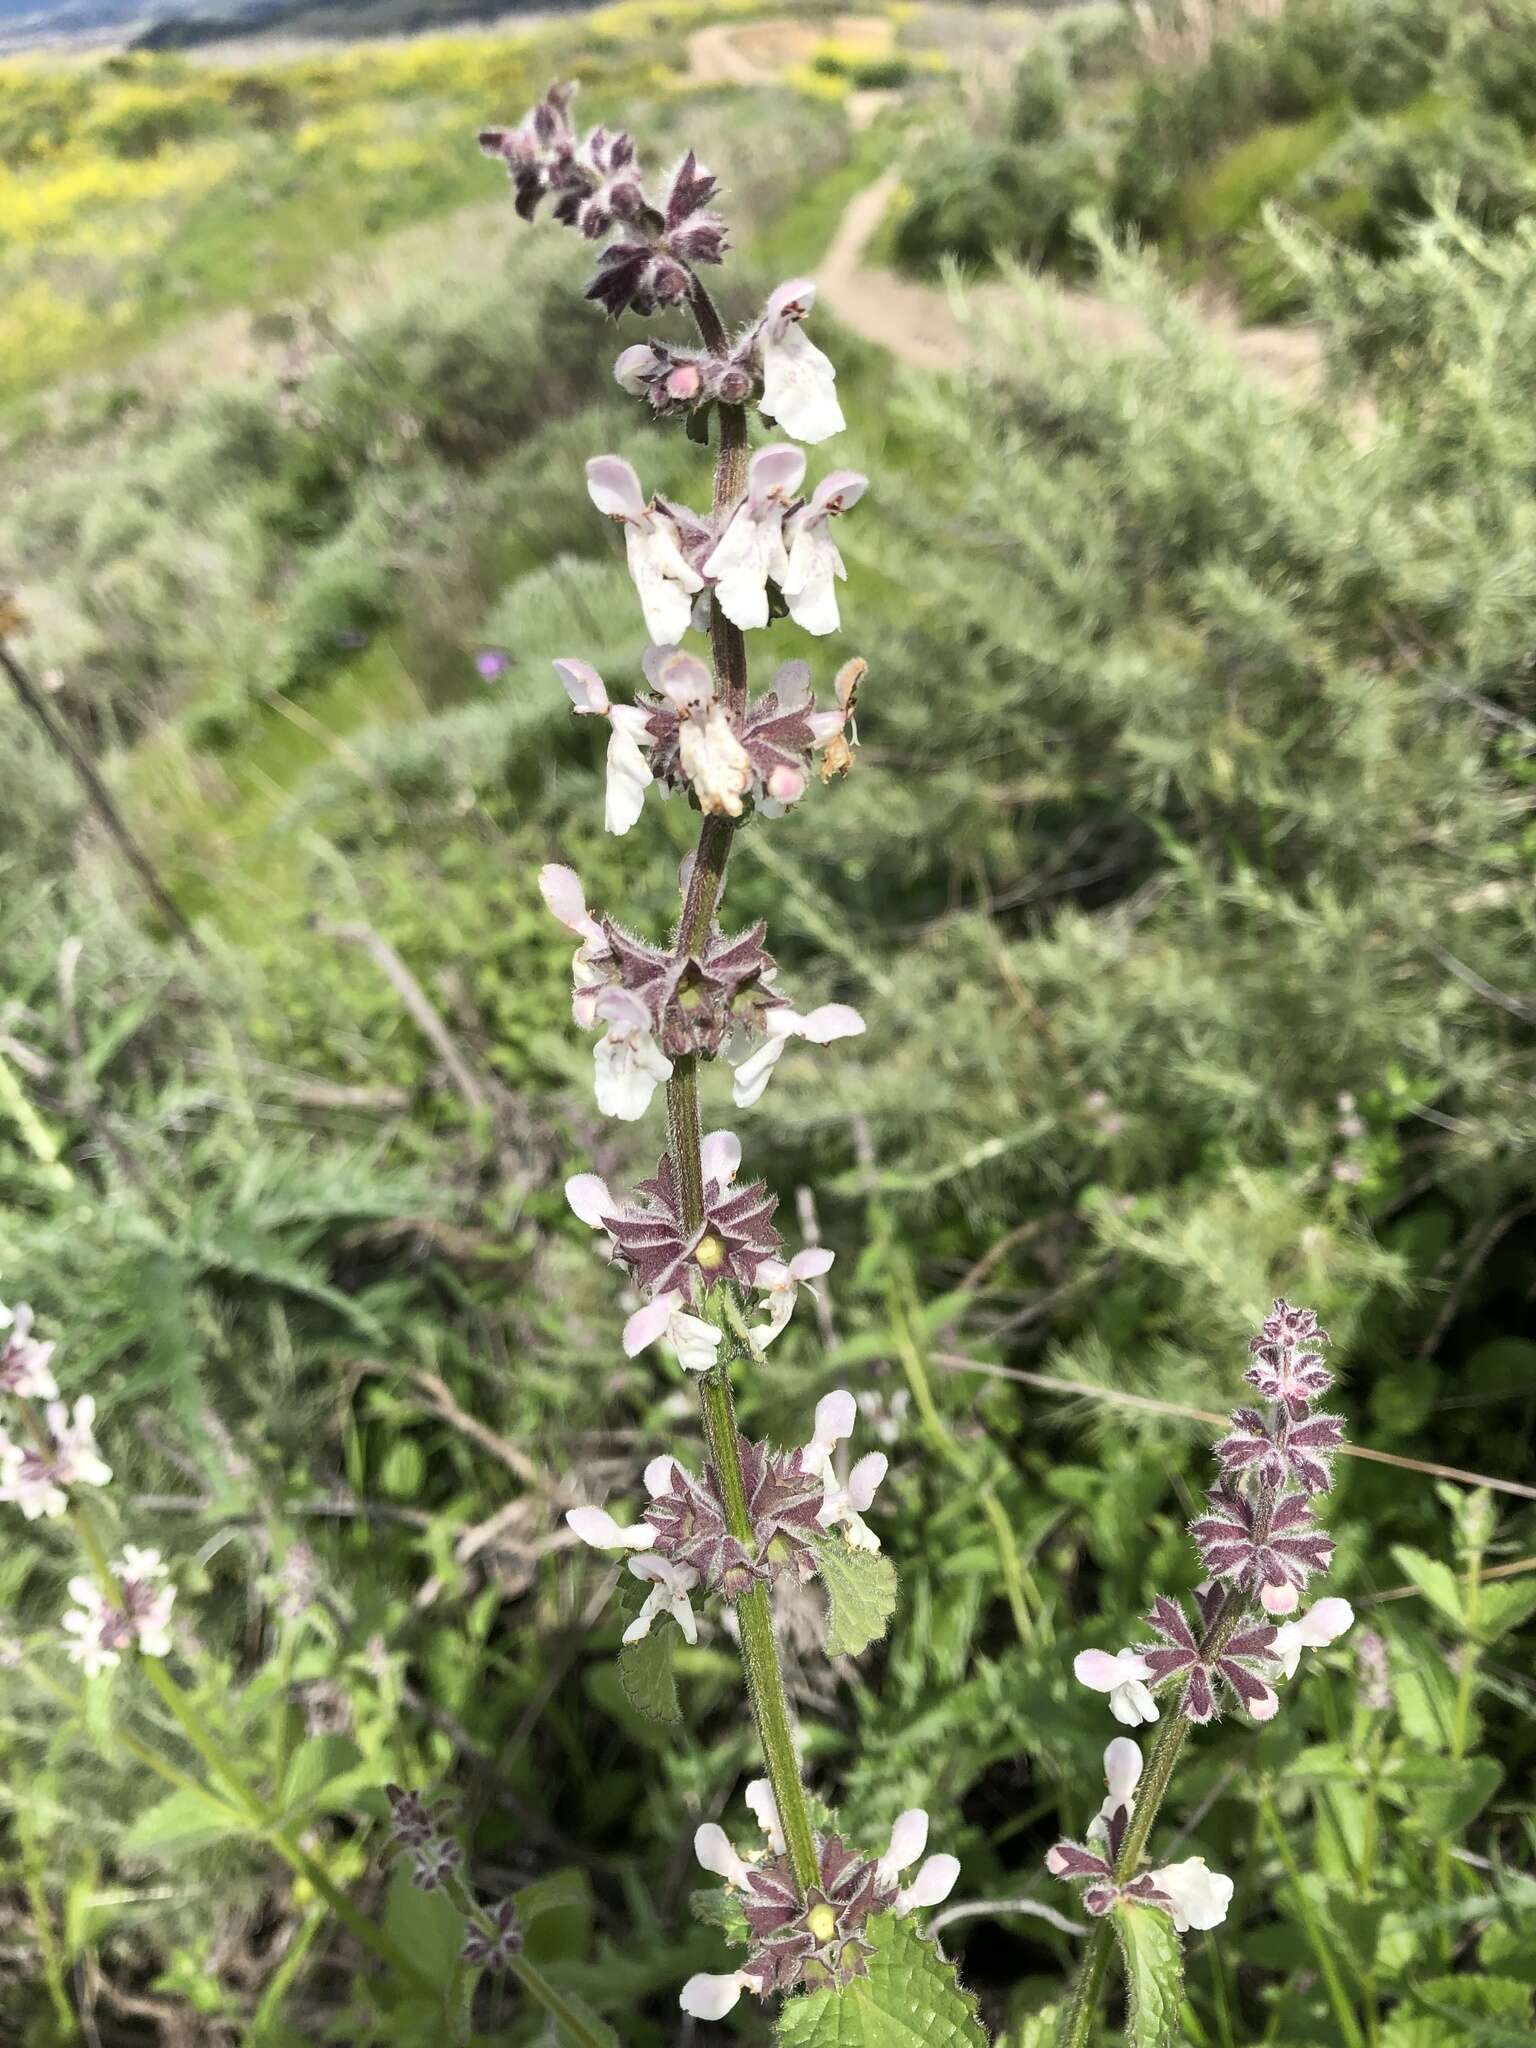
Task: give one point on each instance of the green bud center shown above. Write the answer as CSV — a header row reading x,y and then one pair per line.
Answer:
x,y
822,1922
710,1254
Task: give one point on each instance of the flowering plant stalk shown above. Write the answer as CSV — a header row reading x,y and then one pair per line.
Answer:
x,y
715,1283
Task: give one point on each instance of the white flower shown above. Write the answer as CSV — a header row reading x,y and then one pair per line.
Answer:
x,y
1200,1897
931,1886
663,577
909,1838
814,562
589,1199
845,1505
780,1284
629,773
836,1413
751,549
799,382
563,895
695,1342
670,1586
934,1881
1122,1774
598,1528
29,1480
629,1065
710,1998
100,1630
715,761
1123,1677
78,1461
147,1601
720,1158
759,1797
1321,1625
820,1027
712,1847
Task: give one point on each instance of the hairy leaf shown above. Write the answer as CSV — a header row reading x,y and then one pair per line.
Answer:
x,y
861,1595
910,1999
1154,1974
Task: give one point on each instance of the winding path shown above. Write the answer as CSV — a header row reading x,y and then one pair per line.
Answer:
x,y
923,324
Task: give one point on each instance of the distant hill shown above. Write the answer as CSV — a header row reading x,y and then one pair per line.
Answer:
x,y
34,24
341,19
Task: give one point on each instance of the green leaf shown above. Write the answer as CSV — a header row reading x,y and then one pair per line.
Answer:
x,y
1444,1793
184,1821
1503,1607
649,1680
910,1999
426,1926
323,1770
1154,1974
556,1916
861,1595
1436,1581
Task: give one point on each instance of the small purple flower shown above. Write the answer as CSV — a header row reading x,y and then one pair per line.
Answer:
x,y
493,662
494,1947
435,1864
1282,1452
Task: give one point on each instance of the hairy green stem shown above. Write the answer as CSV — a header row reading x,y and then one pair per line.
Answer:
x,y
706,880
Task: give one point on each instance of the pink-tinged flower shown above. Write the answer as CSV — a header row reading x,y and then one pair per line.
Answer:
x,y
1179,1655
799,382
1268,1548
1124,1677
1321,1625
1282,1452
596,1527
139,1618
750,551
589,1200
24,1363
712,1847
1197,1897
714,761
664,579
819,1027
492,663
629,1065
705,1997
36,1478
670,1586
765,1810
562,892
629,772
809,583
780,1284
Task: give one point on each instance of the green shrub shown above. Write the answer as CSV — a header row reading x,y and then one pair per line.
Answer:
x,y
1497,56
1037,111
1480,165
980,199
1395,52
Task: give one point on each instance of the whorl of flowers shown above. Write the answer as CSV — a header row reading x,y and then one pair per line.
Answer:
x,y
1260,1545
794,1500
815,1940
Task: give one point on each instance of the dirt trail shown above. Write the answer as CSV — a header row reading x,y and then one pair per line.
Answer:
x,y
920,323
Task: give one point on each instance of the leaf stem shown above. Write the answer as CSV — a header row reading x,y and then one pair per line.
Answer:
x,y
1317,1940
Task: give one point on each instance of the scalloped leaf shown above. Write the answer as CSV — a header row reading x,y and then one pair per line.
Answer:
x,y
1154,1974
910,1999
861,1595
645,1668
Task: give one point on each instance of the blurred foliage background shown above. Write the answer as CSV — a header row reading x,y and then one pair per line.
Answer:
x,y
1185,877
